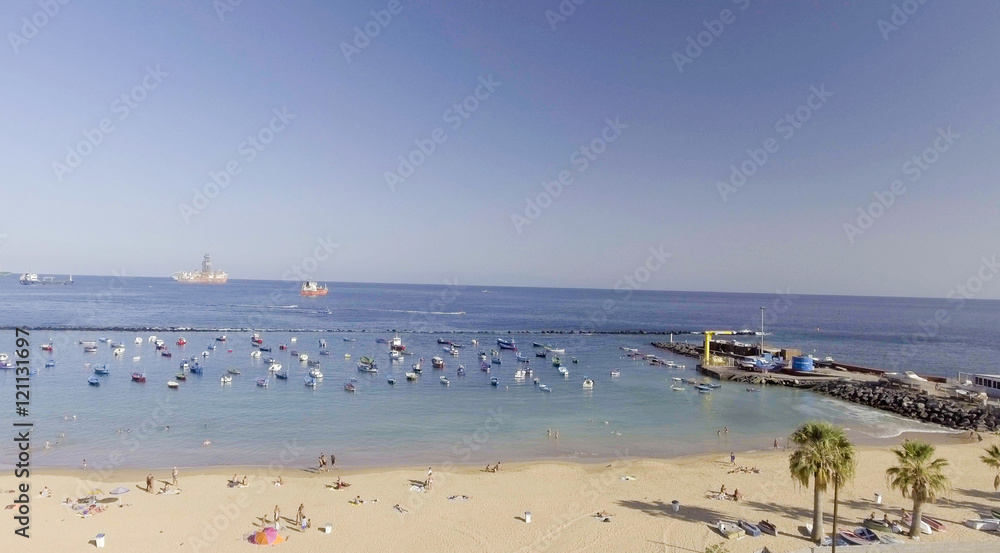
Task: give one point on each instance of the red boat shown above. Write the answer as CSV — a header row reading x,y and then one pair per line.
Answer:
x,y
310,288
46,347
138,377
181,341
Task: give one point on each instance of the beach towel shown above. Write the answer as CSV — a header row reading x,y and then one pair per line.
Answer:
x,y
168,492
416,488
459,498
627,478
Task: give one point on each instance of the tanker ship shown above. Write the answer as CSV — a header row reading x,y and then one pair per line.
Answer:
x,y
205,276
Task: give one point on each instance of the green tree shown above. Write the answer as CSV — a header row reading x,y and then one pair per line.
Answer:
x,y
992,460
825,456
918,476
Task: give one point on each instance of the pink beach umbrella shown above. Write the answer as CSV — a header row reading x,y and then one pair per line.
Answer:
x,y
267,536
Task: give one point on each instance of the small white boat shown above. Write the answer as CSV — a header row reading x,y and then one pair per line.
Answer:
x,y
676,379
544,388
172,384
303,357
411,376
316,374
136,358
615,373
588,384
138,340
984,524
293,339
558,351
914,376
255,353
274,367
520,374
391,379
262,382
226,379
117,352
151,339
677,388
311,382
205,353
394,355
563,370
367,368
444,380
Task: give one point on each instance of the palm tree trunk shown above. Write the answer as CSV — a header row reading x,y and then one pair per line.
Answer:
x,y
817,534
836,503
918,511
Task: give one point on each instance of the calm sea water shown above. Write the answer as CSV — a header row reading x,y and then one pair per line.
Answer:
x,y
470,421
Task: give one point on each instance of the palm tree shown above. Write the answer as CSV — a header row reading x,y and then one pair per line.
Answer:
x,y
824,455
992,460
918,477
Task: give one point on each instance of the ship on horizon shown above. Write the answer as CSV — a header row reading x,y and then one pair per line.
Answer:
x,y
205,276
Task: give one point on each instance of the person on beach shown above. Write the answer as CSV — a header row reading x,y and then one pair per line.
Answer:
x,y
166,486
736,495
299,515
279,481
333,460
277,516
776,443
149,483
497,468
732,457
718,433
174,475
322,463
722,490
244,481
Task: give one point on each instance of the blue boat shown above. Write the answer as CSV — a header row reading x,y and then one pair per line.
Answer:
x,y
506,344
281,376
93,381
495,381
50,363
750,528
461,370
101,369
196,369
262,348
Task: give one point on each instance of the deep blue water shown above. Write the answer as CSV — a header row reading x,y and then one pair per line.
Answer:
x,y
424,421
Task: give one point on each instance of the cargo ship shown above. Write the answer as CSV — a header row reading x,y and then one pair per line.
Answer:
x,y
310,288
205,276
29,279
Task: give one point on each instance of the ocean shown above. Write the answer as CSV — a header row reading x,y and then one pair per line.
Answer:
x,y
127,424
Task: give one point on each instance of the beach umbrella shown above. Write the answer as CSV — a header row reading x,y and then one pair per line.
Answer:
x,y
119,490
267,536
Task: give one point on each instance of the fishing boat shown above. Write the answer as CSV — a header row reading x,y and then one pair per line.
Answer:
x,y
522,358
677,388
281,375
180,376
703,388
262,382
93,343
541,353
264,348
908,521
50,363
496,360
539,345
118,352
544,388
588,384
750,528
867,535
221,338
233,370
482,356
877,524
310,289
461,370
303,358
350,387
312,363
90,349
453,352
391,380
575,360
394,355
767,528
556,361
102,369
294,353
484,366
316,374
45,347
444,380
138,340
852,539
93,381
559,351
494,381
181,341
325,352
196,369
350,339
255,354
936,524
396,344
367,360
138,377
984,524
136,358
563,371
274,367
615,373
172,385
310,382
520,374
506,344
166,353
443,341
411,376
437,362
367,368
226,379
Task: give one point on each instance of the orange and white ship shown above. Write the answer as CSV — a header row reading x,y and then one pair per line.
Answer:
x,y
205,276
310,288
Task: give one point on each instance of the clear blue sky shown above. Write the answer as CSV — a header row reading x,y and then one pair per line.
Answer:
x,y
655,186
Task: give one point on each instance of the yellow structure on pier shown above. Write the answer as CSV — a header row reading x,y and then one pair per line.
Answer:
x,y
706,358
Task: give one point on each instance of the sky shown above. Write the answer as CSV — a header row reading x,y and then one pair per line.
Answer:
x,y
117,116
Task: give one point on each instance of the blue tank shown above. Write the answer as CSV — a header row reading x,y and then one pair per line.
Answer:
x,y
802,363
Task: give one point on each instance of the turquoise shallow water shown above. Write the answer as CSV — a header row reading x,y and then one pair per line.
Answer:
x,y
469,421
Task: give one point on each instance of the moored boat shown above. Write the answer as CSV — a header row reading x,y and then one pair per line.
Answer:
x,y
367,368
437,362
173,385
262,382
350,387
391,380
310,382
93,381
506,344
411,376
615,373
494,381
444,380
544,388
588,384
138,377
102,369
226,379
281,375
315,374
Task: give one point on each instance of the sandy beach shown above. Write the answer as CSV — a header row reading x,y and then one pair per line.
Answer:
x,y
563,498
